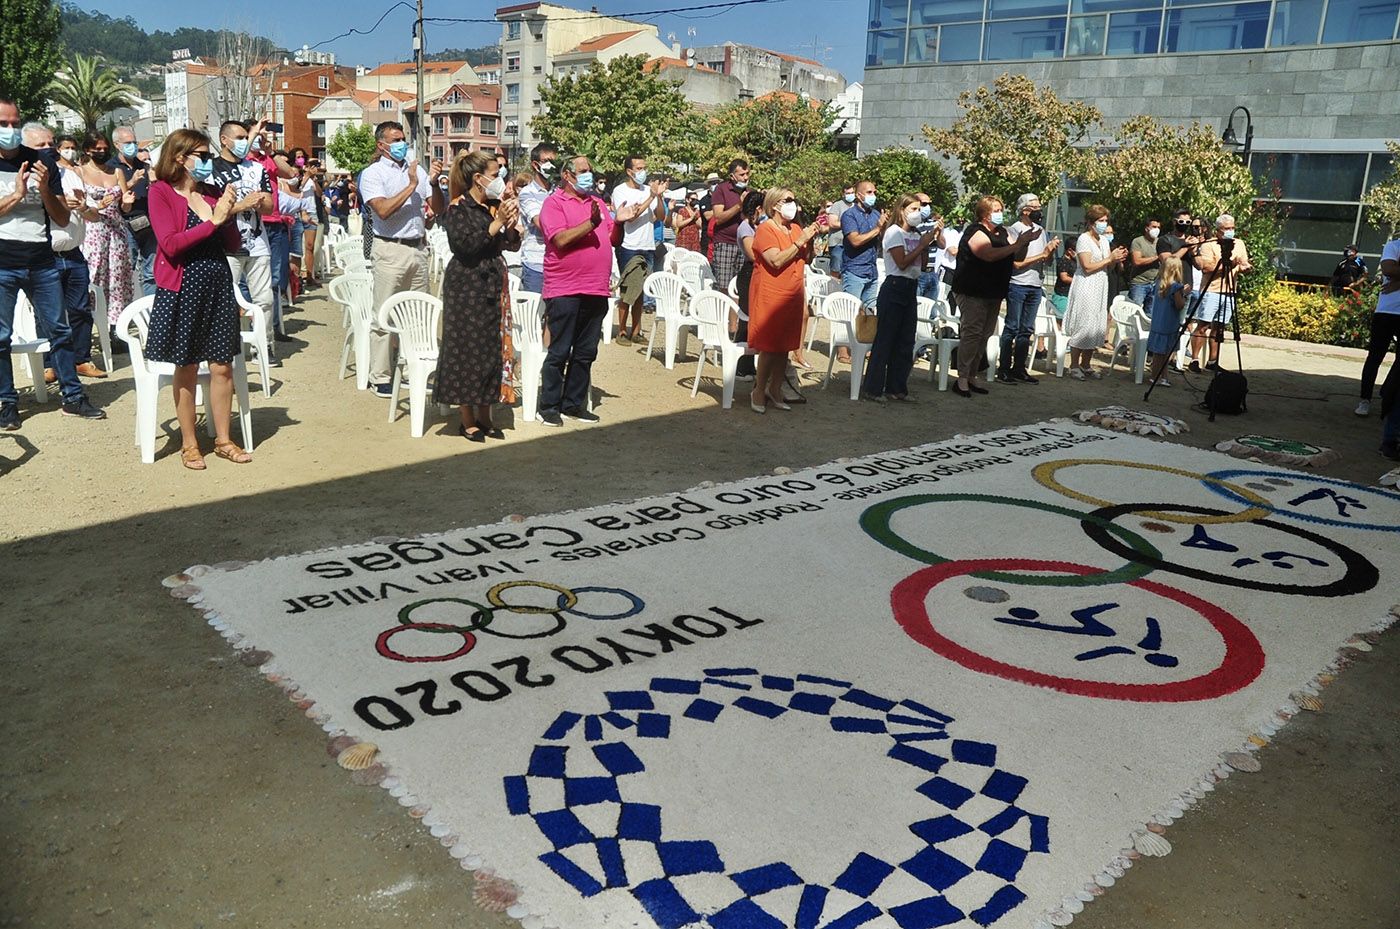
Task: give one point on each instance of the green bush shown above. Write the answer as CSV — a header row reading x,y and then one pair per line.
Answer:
x,y
1284,312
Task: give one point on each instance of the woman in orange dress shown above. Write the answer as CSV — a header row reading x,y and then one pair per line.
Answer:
x,y
777,296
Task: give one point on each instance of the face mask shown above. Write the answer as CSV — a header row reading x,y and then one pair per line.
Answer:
x,y
1181,225
1152,233
203,169
641,176
301,162
9,137
443,183
789,211
925,212
239,147
129,149
68,154
1037,217
849,198
1100,227
1108,237
398,150
740,185
913,217
495,188
1228,234
583,182
545,169
869,200
997,217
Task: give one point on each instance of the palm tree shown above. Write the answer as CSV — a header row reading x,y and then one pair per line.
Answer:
x,y
89,89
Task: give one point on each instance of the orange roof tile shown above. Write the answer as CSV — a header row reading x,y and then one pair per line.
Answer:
x,y
666,61
400,68
604,41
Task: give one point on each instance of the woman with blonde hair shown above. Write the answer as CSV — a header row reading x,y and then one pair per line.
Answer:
x,y
475,297
194,317
777,295
1086,317
1167,305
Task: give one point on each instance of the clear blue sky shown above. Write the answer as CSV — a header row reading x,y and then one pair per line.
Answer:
x,y
834,27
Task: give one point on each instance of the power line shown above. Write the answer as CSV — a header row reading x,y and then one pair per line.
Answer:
x,y
377,24
731,4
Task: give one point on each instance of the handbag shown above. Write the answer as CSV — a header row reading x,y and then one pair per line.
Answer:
x,y
866,324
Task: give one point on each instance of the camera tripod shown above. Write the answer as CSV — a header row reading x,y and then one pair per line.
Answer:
x,y
1229,298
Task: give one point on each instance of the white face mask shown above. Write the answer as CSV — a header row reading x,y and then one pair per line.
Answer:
x,y
789,211
1153,233
496,188
68,154
914,217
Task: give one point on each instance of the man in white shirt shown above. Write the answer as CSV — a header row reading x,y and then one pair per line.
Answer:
x,y
1026,291
396,191
637,206
532,199
945,259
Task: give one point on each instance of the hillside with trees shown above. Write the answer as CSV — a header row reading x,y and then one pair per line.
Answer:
x,y
125,44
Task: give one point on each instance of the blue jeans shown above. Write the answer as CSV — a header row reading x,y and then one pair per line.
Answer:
x,y
1022,305
574,332
1141,294
43,286
279,242
864,289
928,284
531,279
836,252
892,356
148,273
73,276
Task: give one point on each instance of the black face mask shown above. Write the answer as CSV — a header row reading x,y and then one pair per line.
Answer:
x,y
1182,226
1037,217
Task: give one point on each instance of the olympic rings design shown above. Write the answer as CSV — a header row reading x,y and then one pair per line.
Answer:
x,y
1044,475
876,523
1215,482
483,615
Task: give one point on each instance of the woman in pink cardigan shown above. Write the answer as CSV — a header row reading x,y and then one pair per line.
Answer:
x,y
195,315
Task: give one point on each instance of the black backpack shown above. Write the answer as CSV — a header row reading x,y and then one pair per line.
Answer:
x,y
1226,393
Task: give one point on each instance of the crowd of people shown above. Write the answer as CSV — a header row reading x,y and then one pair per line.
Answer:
x,y
212,217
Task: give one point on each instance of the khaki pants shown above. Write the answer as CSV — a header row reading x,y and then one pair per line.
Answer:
x,y
397,268
977,322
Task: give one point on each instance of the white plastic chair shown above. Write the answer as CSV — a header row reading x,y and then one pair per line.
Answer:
x,y
527,334
355,292
413,316
711,311
99,319
666,289
256,338
330,236
817,287
925,332
697,275
945,338
840,309
152,377
1132,326
676,255
350,255
25,342
1047,327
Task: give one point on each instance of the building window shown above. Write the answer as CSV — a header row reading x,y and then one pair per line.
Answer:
x,y
1360,21
437,125
885,47
1216,28
318,129
488,125
461,123
1086,34
890,14
323,83
960,42
1134,33
1012,9
437,152
513,30
538,70
1303,176
1296,22
386,104
513,62
277,105
512,93
1025,38
928,12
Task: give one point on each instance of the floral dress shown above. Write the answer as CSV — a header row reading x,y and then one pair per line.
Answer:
x,y
108,251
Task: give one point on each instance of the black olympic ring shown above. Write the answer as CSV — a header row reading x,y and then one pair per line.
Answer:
x,y
1361,575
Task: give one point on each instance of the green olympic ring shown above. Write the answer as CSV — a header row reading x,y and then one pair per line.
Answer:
x,y
481,618
875,521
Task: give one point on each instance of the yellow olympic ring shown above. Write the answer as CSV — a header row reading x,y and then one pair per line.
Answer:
x,y
1044,475
493,596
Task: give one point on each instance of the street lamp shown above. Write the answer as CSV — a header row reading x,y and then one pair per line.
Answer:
x,y
510,135
1229,138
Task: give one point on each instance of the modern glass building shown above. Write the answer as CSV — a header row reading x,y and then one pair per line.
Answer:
x,y
1321,79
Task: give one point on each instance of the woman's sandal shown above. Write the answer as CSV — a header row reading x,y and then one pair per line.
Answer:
x,y
229,451
192,458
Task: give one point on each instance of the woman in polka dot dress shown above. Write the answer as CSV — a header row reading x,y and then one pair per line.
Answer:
x,y
195,315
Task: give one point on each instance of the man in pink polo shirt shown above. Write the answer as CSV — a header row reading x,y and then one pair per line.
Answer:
x,y
577,229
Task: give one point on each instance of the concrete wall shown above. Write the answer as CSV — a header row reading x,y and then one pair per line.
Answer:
x,y
1342,92
761,72
704,88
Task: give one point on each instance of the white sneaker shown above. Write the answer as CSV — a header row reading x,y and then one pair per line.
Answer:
x,y
1163,382
1363,408
1077,373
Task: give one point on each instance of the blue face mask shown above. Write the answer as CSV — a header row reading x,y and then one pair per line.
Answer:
x,y
9,137
1108,237
740,185
584,182
203,169
129,149
398,151
869,200
925,211
239,147
1100,227
641,176
1228,234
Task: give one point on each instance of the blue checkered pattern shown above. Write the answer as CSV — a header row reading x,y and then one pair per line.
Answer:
x,y
586,759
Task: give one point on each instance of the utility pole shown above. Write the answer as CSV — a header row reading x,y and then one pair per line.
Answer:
x,y
421,136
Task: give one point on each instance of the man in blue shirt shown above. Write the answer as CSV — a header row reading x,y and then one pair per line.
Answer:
x,y
862,226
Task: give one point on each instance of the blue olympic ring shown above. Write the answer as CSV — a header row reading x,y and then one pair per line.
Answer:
x,y
637,604
1224,491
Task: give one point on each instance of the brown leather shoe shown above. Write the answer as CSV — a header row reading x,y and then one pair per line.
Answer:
x,y
50,376
88,369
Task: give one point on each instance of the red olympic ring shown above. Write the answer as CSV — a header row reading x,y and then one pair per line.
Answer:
x,y
381,644
1244,657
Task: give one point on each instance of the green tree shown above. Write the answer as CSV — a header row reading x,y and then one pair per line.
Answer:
x,y
899,171
29,53
1015,138
1382,201
88,88
615,110
353,147
814,175
766,132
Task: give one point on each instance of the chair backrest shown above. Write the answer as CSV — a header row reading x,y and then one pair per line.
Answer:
x,y
527,319
733,287
676,255
817,286
349,253
413,316
840,307
355,291
1124,311
923,326
711,311
696,273
25,327
665,288
137,314
99,302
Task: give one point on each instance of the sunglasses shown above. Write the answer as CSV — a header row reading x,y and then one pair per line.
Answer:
x,y
203,154
788,200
